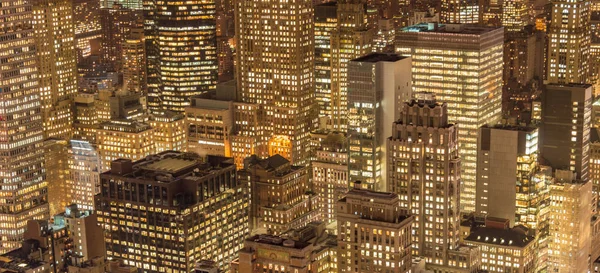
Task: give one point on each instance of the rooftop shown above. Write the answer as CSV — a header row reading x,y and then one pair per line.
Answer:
x,y
379,57
512,127
496,236
449,28
169,166
277,241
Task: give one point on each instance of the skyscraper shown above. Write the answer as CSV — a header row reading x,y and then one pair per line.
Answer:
x,y
568,42
377,84
570,214
330,173
23,192
352,39
134,62
169,210
507,160
424,170
281,196
84,173
57,64
117,22
462,66
325,25
373,232
181,49
565,131
460,12
275,69
514,14
511,184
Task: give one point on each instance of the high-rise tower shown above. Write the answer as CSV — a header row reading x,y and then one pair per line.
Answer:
x,y
569,42
181,49
566,123
275,68
462,66
424,170
23,191
352,39
57,64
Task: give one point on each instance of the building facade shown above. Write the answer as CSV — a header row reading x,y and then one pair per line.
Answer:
x,y
330,173
167,211
424,170
181,50
377,84
565,130
23,194
275,68
462,66
373,232
281,197
568,42
57,65
570,215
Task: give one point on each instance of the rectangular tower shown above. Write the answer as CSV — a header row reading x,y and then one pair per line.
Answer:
x,y
325,24
424,170
23,190
377,84
570,214
352,39
373,232
568,42
169,210
566,123
275,68
57,64
462,66
181,49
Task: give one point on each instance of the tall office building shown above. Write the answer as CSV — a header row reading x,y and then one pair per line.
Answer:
x,y
514,15
570,214
566,123
325,25
167,211
23,192
595,166
462,66
377,84
424,170
524,56
134,62
460,12
84,173
117,22
169,132
352,39
88,29
281,196
181,49
507,160
124,139
56,153
511,184
330,173
57,64
275,69
373,232
568,42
